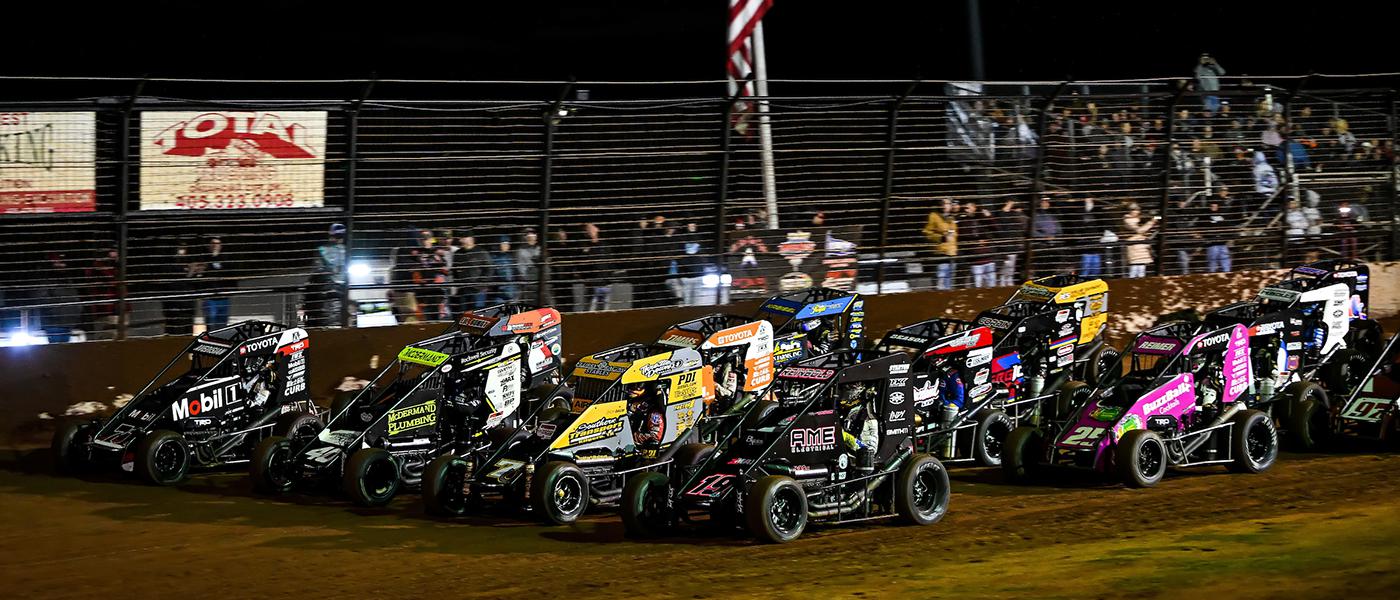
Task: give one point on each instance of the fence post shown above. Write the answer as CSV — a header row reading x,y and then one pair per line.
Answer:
x,y
722,201
887,197
1038,176
1164,206
123,203
1393,129
352,161
551,121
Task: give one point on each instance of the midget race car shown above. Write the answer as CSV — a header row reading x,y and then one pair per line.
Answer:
x,y
245,382
1311,341
1089,297
1181,401
1371,411
836,448
443,395
632,408
813,322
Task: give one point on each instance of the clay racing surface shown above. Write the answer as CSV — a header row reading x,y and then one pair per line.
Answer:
x,y
1315,526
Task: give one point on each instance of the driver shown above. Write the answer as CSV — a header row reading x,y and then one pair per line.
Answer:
x,y
648,420
257,380
819,335
858,415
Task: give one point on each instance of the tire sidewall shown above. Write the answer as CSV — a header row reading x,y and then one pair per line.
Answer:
x,y
1132,445
361,463
69,447
263,469
908,476
1244,424
991,422
759,505
437,497
635,499
547,480
150,447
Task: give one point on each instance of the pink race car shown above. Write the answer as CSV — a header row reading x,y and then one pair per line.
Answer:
x,y
1179,400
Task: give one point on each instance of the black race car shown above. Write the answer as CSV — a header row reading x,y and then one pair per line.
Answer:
x,y
445,394
834,445
245,382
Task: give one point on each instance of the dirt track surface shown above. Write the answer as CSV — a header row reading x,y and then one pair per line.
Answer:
x,y
1316,526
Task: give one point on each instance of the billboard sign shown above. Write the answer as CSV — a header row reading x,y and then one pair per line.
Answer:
x,y
48,162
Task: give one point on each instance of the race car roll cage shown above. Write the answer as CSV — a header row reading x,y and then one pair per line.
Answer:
x,y
850,366
233,336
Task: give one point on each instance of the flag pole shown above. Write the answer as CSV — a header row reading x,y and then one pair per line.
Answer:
x,y
765,129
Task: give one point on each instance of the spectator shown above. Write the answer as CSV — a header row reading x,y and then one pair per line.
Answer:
x,y
58,322
1096,234
1348,219
403,299
690,261
594,270
527,257
1045,229
1184,237
429,276
504,273
974,235
328,280
102,318
213,269
176,280
1137,255
471,271
1214,227
562,273
1265,180
1010,231
941,230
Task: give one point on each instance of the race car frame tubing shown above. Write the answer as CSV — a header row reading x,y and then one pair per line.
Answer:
x,y
1181,440
1375,366
129,406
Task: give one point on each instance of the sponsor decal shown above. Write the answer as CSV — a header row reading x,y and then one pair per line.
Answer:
x,y
1306,270
1061,316
257,345
412,417
899,382
1157,346
1066,329
906,339
994,323
597,430
1105,414
812,439
1212,341
897,398
899,431
899,369
1278,295
210,350
781,306
979,357
1292,346
1169,400
981,377
925,392
1266,328
834,305
1064,350
725,339
421,356
599,368
212,399
48,162
668,365
1129,423
1035,291
897,415
808,373
980,390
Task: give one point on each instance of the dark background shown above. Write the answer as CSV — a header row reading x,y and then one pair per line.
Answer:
x,y
684,39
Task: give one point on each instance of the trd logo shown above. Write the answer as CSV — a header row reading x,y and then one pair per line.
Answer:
x,y
212,400
815,439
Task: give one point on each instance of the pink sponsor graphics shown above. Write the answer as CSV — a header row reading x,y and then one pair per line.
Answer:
x,y
1101,424
1235,369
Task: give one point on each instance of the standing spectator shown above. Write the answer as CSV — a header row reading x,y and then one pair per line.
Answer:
x,y
690,264
58,322
1096,231
594,271
1045,230
1138,255
176,280
562,273
403,299
941,231
974,235
471,271
1265,179
1185,239
328,280
1295,223
428,276
504,272
1348,219
527,257
1214,230
213,269
102,318
1010,231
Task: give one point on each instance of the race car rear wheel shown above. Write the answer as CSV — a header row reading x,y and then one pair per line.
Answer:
x,y
342,399
691,455
757,414
921,490
989,438
1141,457
559,492
1365,336
271,465
1100,364
1309,422
1070,396
371,477
1345,372
776,509
1253,442
445,486
298,426
1021,454
70,448
162,458
644,505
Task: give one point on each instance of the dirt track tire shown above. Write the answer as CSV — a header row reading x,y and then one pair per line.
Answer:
x,y
1253,442
989,437
559,493
644,505
1141,457
691,455
341,400
1020,459
162,458
299,426
1069,397
921,490
371,477
757,414
69,448
1345,372
1099,364
1309,423
776,509
269,466
445,487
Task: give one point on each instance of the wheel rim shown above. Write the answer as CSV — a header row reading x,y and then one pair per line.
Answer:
x,y
785,513
568,494
1355,371
277,465
454,487
1149,459
654,506
305,431
992,441
379,478
169,458
927,488
1258,443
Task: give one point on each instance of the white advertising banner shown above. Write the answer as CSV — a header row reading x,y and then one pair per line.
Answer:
x,y
48,162
232,160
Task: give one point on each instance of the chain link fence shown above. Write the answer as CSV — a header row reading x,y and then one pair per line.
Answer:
x,y
163,207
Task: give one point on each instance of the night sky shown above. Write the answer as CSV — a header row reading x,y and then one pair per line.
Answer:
x,y
684,39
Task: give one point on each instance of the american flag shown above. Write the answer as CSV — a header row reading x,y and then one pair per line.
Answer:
x,y
743,16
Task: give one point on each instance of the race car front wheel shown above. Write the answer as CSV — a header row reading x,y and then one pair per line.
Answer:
x,y
644,507
921,490
445,486
371,477
989,438
299,426
1020,455
271,465
70,448
1309,421
559,492
1254,442
1141,458
776,509
162,458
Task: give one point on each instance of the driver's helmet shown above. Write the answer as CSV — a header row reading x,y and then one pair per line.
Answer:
x,y
636,395
853,396
811,325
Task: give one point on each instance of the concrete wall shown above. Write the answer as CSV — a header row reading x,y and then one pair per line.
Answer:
x,y
92,377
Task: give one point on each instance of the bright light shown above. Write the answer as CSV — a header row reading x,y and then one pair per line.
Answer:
x,y
20,337
726,279
563,112
710,280
359,269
